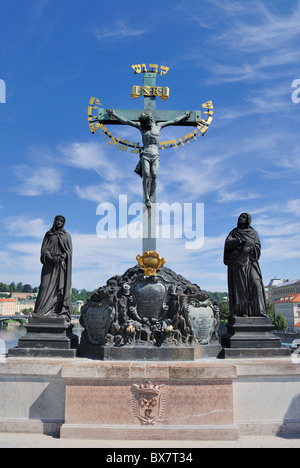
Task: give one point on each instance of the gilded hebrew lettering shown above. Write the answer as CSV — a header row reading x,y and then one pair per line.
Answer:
x,y
137,68
170,142
164,70
154,66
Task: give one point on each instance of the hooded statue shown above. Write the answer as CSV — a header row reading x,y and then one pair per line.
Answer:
x,y
54,298
241,254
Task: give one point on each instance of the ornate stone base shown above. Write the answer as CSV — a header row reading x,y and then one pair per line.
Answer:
x,y
149,401
251,337
47,337
149,353
205,400
158,318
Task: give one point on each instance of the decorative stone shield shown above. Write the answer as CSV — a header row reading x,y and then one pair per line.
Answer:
x,y
148,402
149,296
202,319
97,319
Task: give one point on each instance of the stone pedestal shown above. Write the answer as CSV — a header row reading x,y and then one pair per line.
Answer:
x,y
204,400
47,337
146,353
136,317
149,401
251,337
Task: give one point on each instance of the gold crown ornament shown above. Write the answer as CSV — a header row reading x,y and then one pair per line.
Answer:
x,y
150,262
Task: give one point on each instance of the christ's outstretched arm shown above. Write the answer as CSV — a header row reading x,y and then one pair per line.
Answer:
x,y
113,113
172,122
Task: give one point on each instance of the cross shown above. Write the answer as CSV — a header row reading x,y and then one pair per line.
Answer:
x,y
150,92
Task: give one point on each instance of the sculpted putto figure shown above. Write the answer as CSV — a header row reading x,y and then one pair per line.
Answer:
x,y
149,163
241,254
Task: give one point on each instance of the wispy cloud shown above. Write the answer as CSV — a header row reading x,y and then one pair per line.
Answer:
x,y
226,196
285,208
86,156
98,193
119,30
195,177
23,226
38,181
254,28
115,173
275,249
251,43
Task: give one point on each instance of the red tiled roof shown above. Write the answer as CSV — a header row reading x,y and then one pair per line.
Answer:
x,y
289,298
2,299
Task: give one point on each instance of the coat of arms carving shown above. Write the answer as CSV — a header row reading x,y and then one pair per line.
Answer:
x,y
148,402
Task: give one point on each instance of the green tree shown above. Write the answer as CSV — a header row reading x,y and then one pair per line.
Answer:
x,y
27,288
271,312
280,322
12,287
218,296
19,287
224,311
27,311
75,295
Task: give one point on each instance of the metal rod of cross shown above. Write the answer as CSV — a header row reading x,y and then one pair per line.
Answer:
x,y
149,121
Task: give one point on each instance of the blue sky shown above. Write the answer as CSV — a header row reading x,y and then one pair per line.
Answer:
x,y
56,55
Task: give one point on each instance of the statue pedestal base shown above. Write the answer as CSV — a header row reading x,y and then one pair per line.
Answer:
x,y
251,337
149,401
143,352
136,317
47,337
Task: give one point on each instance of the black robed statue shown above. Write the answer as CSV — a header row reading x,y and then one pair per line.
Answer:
x,y
54,298
245,283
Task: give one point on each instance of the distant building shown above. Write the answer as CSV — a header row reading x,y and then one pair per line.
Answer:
x,y
22,296
279,289
8,306
268,289
274,282
25,305
289,306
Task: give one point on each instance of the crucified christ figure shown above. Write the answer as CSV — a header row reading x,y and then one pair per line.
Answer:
x,y
149,161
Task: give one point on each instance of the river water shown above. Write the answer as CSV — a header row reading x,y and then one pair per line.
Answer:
x,y
9,336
